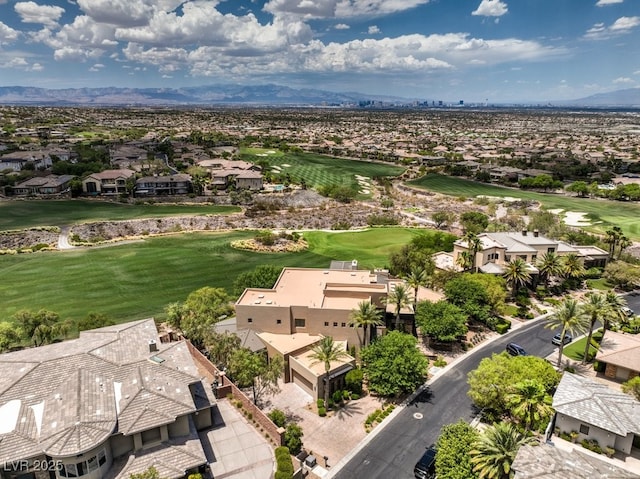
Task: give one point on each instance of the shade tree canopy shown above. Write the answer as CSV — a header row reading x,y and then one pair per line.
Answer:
x,y
441,321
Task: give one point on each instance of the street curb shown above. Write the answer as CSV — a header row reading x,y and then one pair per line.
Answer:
x,y
362,444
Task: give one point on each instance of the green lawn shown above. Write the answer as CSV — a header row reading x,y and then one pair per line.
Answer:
x,y
29,213
575,350
602,213
320,170
133,281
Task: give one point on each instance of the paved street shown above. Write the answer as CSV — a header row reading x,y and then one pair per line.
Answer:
x,y
395,448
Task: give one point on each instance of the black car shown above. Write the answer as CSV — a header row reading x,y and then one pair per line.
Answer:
x,y
514,350
556,339
426,466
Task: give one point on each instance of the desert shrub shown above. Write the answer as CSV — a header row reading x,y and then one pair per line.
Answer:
x,y
382,220
320,403
267,238
503,326
337,396
277,417
592,445
284,463
355,396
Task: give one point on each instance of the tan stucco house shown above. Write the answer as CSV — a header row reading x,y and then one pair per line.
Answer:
x,y
620,353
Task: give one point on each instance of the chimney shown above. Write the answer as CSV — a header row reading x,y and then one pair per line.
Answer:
x,y
524,232
153,347
354,264
536,233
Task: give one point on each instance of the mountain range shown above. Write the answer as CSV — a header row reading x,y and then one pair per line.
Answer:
x,y
254,95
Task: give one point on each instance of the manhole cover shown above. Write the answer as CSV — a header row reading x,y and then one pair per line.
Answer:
x,y
417,415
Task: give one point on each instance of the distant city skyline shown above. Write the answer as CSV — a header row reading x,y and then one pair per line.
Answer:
x,y
451,50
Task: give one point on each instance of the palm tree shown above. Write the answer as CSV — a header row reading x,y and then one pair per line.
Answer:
x,y
614,312
465,260
623,244
549,264
327,352
613,238
572,266
417,277
517,274
473,246
400,297
569,317
365,315
594,309
529,402
495,450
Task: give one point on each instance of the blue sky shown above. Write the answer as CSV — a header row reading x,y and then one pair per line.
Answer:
x,y
472,50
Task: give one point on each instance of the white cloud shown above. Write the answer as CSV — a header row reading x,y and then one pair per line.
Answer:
x,y
491,8
97,67
621,26
603,3
127,13
373,29
339,8
7,34
342,26
21,63
623,80
31,12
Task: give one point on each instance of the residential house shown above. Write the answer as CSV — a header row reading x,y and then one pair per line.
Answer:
x,y
179,184
620,353
597,412
224,173
111,403
16,160
107,182
307,304
43,185
128,156
547,462
498,249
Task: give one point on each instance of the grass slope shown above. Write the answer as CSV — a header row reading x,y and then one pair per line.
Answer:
x,y
320,170
602,213
29,213
134,281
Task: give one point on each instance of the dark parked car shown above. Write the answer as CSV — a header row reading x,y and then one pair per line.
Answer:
x,y
567,339
426,466
514,350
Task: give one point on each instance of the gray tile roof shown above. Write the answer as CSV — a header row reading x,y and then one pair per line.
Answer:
x,y
596,404
548,462
66,398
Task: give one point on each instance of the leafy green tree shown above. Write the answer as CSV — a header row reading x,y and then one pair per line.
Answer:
x,y
419,251
393,364
202,308
568,316
454,445
353,380
364,316
327,352
470,295
9,335
581,188
263,276
493,379
494,287
594,308
249,369
474,222
530,403
150,473
441,321
496,448
94,321
622,275
277,417
516,273
442,218
41,327
221,347
399,297
632,387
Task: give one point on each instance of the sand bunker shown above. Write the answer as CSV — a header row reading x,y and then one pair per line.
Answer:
x,y
573,218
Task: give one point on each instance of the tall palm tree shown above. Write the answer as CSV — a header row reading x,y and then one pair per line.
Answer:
x,y
572,266
529,402
327,352
417,277
365,315
495,450
594,308
614,311
549,265
517,274
569,317
474,244
613,238
399,297
623,244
